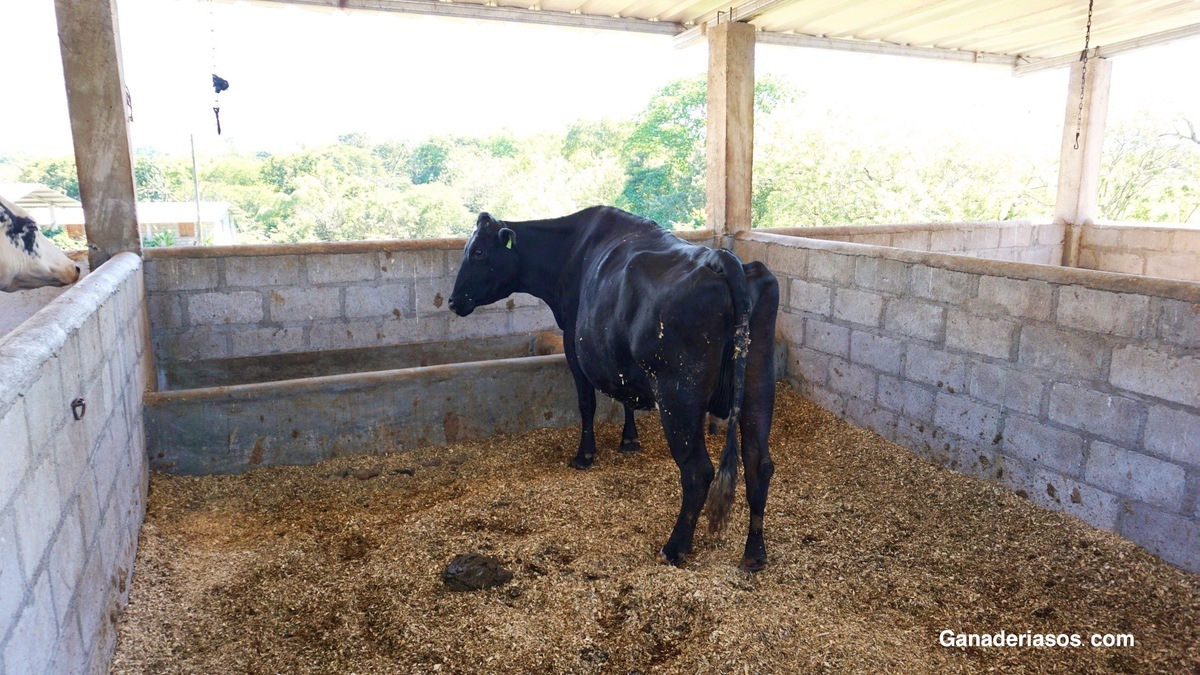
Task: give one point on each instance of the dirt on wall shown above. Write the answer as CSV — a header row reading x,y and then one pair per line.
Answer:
x,y
873,553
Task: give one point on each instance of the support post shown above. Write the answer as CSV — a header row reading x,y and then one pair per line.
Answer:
x,y
91,54
730,127
1079,168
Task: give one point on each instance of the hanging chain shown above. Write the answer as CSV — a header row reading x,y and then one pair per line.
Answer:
x,y
212,44
1087,42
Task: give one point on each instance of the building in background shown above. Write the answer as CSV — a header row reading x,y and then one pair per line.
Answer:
x,y
163,223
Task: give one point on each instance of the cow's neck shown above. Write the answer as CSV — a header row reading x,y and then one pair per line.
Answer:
x,y
545,247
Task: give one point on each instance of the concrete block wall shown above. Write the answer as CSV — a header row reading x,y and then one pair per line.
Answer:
x,y
1170,252
72,492
228,301
1078,389
1014,240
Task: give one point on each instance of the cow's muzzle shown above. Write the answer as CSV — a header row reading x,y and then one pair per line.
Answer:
x,y
461,306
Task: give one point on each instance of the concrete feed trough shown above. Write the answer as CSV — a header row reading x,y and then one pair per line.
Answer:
x,y
230,415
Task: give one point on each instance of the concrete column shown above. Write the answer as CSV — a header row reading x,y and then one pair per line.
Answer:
x,y
730,126
91,54
1079,168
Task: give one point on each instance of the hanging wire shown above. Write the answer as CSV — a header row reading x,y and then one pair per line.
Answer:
x,y
1087,41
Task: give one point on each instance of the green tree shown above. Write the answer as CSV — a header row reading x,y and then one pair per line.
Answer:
x,y
58,174
1150,172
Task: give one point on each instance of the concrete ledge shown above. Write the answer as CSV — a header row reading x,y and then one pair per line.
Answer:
x,y
847,230
341,247
1187,291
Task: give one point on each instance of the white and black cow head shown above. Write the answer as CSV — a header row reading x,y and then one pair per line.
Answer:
x,y
27,258
490,267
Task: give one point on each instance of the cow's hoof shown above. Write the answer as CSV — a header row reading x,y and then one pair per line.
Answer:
x,y
583,463
674,561
752,565
630,446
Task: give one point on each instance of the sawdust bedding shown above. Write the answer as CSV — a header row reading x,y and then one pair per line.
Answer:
x,y
873,552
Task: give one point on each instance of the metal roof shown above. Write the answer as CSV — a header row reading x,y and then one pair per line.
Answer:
x,y
35,195
1027,35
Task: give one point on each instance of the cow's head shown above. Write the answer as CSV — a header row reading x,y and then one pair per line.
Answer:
x,y
490,267
27,258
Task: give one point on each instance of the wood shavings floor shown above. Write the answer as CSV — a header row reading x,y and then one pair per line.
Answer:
x,y
336,568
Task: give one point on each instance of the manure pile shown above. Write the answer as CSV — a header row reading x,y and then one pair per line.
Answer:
x,y
873,552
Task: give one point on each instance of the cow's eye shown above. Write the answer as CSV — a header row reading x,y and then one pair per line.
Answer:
x,y
477,254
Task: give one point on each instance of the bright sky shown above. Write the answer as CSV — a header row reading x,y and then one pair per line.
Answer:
x,y
303,77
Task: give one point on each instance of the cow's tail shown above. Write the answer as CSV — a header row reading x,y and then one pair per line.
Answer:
x,y
720,495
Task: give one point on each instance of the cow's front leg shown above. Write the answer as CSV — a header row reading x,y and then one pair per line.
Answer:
x,y
684,429
586,456
629,437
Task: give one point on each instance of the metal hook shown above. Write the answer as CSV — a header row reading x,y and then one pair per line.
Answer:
x,y
78,409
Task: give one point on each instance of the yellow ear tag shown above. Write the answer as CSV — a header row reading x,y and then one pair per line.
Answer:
x,y
509,245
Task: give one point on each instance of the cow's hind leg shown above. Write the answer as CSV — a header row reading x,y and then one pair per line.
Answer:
x,y
683,424
629,436
757,409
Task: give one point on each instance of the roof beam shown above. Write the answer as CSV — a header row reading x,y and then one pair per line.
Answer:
x,y
863,46
741,13
1025,68
467,10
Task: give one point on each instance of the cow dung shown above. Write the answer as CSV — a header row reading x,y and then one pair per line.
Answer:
x,y
873,552
474,572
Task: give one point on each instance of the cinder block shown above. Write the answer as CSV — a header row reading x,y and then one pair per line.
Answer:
x,y
1015,297
983,238
327,268
1174,434
942,285
913,241
935,367
906,398
1051,234
875,351
1079,355
807,364
181,274
1103,312
812,298
966,418
1010,389
260,271
866,414
1171,537
304,303
418,264
1062,493
857,307
948,240
192,344
12,581
1112,417
786,260
914,318
14,460
1034,441
46,408
851,380
391,300
1135,475
432,295
65,562
1179,322
881,274
825,398
479,324
1173,266
165,310
224,308
1016,235
827,337
1121,263
270,340
344,335
831,267
1155,373
529,320
1146,239
1101,236
37,508
32,640
979,334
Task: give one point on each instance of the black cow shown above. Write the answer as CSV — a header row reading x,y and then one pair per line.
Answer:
x,y
649,319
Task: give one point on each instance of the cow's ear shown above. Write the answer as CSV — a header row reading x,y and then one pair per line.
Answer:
x,y
507,237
